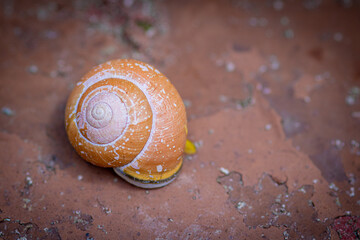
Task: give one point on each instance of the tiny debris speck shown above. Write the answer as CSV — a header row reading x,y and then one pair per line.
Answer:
x,y
224,171
268,127
33,69
7,111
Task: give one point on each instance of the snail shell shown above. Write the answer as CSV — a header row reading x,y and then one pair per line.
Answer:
x,y
125,114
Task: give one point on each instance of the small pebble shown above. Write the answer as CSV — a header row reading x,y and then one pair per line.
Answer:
x,y
53,74
262,69
284,21
354,91
28,181
7,111
346,3
253,21
199,144
274,63
230,67
289,33
263,22
307,99
240,205
50,34
187,103
311,4
338,37
278,5
223,98
352,96
219,62
42,13
33,69
224,171
259,86
268,127
108,50
350,100
355,114
151,32
302,189
128,3
338,143
352,192
333,187
286,234
351,178
17,31
80,177
266,91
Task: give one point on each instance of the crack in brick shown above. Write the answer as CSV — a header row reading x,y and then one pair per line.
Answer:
x,y
15,229
269,204
347,227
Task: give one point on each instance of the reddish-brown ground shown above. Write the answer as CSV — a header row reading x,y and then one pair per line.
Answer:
x,y
272,95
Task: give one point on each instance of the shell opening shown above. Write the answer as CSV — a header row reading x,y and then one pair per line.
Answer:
x,y
149,184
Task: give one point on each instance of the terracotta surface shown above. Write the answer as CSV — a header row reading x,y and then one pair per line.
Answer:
x,y
273,104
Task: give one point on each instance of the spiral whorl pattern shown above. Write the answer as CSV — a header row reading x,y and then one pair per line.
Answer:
x,y
102,118
98,114
113,115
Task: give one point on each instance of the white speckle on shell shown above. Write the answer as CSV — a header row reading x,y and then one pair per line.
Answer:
x,y
143,68
135,165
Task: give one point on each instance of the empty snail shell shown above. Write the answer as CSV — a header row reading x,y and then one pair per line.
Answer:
x,y
126,115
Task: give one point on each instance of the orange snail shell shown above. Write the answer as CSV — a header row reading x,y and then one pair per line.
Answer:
x,y
125,114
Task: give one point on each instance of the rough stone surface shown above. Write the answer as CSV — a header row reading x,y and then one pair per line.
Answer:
x,y
272,96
